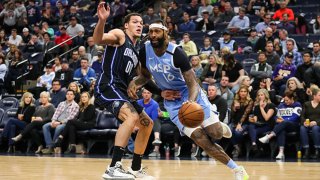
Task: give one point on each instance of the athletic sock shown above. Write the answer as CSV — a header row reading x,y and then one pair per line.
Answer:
x,y
136,162
231,164
117,155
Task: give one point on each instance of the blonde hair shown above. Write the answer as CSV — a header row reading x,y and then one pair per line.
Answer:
x,y
199,61
296,80
242,79
47,94
78,89
266,95
24,96
237,96
82,105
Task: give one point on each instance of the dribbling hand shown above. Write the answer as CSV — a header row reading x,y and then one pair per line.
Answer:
x,y
103,13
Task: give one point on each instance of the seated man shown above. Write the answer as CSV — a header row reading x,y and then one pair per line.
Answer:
x,y
84,75
67,110
239,23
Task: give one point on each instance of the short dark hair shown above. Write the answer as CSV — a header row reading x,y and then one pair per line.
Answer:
x,y
69,90
289,94
84,59
307,52
128,17
316,42
56,80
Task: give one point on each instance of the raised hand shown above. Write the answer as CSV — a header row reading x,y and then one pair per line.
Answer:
x,y
103,13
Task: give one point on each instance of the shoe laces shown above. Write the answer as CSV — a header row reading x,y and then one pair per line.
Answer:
x,y
119,167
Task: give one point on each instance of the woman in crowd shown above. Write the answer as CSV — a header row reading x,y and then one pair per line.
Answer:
x,y
74,87
211,73
23,117
41,116
316,25
57,64
233,70
196,66
86,120
262,119
240,109
301,26
311,111
265,84
288,119
3,71
15,70
295,86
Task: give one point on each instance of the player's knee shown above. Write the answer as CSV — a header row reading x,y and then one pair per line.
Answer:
x,y
198,134
215,131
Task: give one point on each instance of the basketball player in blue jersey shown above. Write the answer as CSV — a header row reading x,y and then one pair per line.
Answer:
x,y
119,65
170,68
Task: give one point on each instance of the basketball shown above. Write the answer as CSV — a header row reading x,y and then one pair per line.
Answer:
x,y
191,114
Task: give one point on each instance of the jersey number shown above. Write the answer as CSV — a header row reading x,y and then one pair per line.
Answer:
x,y
129,67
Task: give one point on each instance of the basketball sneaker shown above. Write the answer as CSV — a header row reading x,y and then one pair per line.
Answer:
x,y
226,131
154,154
117,172
240,173
141,174
194,151
157,142
265,139
177,151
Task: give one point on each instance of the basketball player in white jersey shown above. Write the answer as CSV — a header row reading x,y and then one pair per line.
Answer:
x,y
170,68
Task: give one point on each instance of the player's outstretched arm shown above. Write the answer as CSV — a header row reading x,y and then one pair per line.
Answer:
x,y
143,77
114,37
192,84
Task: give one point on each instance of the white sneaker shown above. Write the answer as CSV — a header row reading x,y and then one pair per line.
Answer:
x,y
194,151
117,172
265,139
177,151
280,156
204,154
140,173
227,133
156,142
240,173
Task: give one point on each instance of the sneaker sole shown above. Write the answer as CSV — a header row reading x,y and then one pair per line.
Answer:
x,y
106,176
227,131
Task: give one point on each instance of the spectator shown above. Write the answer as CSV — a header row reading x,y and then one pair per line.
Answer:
x,y
272,6
196,66
14,38
47,29
66,111
262,41
226,41
288,118
211,73
282,73
316,52
189,47
62,16
63,37
49,53
84,75
204,6
233,70
74,62
262,119
240,109
207,48
297,58
278,15
253,38
33,46
261,26
255,6
219,103
49,16
21,119
83,54
275,31
41,116
228,14
26,36
73,13
272,57
33,13
316,25
76,89
239,23
301,26
92,49
283,37
311,111
10,54
56,94
301,69
3,40
260,70
285,24
64,75
187,25
97,64
215,16
75,28
205,24
192,9
175,12
224,91
3,72
10,16
118,11
22,19
312,75
149,18
85,120
295,86
57,64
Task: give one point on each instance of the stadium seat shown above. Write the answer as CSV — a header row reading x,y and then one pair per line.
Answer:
x,y
247,63
8,114
9,102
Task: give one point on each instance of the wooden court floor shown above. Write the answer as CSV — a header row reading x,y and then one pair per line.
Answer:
x,y
78,168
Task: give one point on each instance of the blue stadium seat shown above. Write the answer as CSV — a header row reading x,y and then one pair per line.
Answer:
x,y
8,114
9,102
313,37
247,63
1,115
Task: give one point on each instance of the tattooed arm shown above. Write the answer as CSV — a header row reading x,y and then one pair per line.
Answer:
x,y
192,84
143,77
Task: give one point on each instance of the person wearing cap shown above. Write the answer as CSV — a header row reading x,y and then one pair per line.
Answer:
x,y
65,74
239,23
261,26
26,36
187,25
282,73
205,24
226,41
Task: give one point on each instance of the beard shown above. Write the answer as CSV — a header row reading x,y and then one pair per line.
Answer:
x,y
158,44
